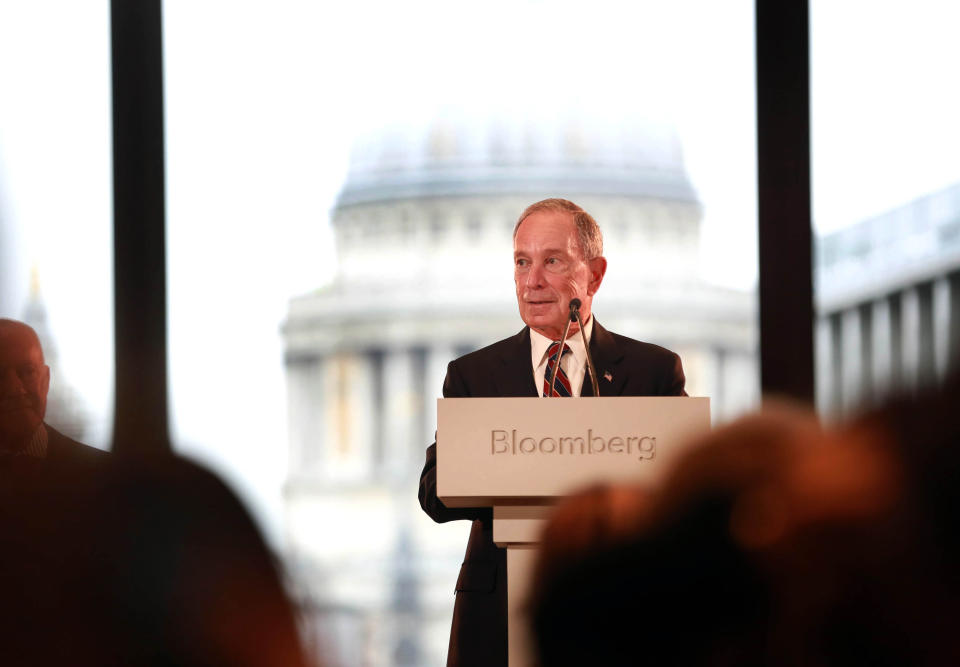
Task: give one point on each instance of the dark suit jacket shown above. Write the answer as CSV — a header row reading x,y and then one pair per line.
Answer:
x,y
479,632
64,452
66,460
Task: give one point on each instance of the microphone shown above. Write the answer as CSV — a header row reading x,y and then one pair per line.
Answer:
x,y
575,317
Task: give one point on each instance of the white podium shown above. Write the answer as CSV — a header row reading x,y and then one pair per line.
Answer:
x,y
520,455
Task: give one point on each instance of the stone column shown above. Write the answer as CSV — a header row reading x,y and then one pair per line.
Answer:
x,y
400,401
895,309
926,350
835,402
953,324
349,419
866,385
823,370
305,399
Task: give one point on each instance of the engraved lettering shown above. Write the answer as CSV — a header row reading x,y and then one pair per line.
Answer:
x,y
597,444
571,442
498,437
503,441
647,447
543,446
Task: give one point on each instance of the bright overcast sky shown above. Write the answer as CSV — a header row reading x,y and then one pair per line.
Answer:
x,y
264,99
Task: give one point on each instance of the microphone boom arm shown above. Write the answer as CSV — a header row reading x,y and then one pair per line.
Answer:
x,y
575,314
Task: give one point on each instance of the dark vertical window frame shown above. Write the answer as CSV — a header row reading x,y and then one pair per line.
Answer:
x,y
784,211
140,329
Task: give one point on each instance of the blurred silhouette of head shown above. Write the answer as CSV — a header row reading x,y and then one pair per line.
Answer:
x,y
24,382
151,562
773,542
663,576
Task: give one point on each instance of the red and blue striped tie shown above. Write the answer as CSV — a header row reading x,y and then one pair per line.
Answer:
x,y
562,386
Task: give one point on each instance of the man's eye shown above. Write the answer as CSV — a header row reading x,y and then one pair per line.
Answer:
x,y
522,263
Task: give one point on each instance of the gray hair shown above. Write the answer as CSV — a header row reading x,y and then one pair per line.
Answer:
x,y
588,231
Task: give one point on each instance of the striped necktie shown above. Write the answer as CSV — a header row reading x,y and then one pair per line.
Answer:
x,y
562,386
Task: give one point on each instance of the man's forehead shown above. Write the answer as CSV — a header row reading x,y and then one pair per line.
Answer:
x,y
19,343
20,354
548,217
554,231
551,249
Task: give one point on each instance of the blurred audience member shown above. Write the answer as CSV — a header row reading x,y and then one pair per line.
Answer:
x,y
774,542
24,383
667,583
868,570
595,518
139,563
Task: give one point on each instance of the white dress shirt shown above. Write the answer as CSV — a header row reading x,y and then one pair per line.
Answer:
x,y
573,364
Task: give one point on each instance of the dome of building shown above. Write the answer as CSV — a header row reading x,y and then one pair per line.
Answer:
x,y
504,154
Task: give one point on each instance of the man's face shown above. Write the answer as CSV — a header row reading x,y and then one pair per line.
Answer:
x,y
24,381
549,270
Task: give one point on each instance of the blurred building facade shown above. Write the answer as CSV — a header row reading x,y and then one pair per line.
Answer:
x,y
888,301
423,229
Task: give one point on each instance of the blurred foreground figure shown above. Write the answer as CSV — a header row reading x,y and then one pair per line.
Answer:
x,y
661,579
877,530
140,563
775,542
112,560
24,383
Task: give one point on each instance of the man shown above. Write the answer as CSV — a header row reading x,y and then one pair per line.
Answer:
x,y
24,382
558,256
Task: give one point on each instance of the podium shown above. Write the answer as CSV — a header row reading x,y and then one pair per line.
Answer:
x,y
521,455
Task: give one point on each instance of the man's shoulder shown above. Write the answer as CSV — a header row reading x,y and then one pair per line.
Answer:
x,y
500,369
63,448
638,348
639,368
502,349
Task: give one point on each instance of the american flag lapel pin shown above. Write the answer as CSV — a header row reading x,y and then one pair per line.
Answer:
x,y
607,376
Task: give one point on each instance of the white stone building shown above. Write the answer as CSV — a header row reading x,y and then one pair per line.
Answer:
x,y
888,303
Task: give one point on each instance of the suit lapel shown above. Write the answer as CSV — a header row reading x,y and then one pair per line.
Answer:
x,y
516,376
606,358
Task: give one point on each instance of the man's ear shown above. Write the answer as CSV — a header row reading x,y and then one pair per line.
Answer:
x,y
598,268
45,382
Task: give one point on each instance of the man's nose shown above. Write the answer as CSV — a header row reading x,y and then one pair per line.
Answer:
x,y
535,276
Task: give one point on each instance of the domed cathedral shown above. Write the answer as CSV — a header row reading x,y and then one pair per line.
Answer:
x,y
423,229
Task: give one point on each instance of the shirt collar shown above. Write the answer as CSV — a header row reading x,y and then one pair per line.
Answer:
x,y
36,446
539,344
